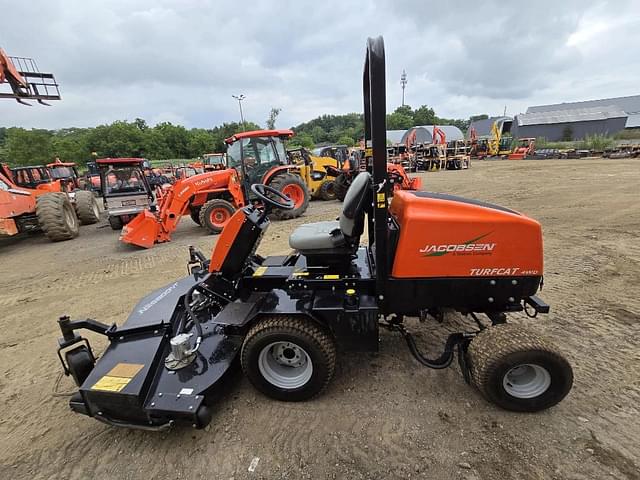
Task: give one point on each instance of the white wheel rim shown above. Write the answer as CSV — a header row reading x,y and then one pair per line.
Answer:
x,y
96,209
285,365
526,381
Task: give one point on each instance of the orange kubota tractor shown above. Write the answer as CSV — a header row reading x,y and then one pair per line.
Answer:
x,y
211,198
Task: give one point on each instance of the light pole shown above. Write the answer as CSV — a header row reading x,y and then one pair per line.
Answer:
x,y
240,98
403,82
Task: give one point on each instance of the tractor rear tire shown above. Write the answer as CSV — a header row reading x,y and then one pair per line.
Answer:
x,y
116,223
288,358
517,370
194,212
288,184
87,207
215,214
328,190
341,187
57,217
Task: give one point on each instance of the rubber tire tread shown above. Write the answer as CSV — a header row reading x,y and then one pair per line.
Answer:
x,y
50,213
84,207
492,347
303,329
341,187
205,213
328,190
281,181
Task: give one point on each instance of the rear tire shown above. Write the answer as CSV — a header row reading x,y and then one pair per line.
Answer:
x,y
215,214
116,223
341,186
328,190
517,370
287,181
87,207
57,217
288,358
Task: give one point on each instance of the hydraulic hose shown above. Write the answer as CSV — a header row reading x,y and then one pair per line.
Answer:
x,y
194,319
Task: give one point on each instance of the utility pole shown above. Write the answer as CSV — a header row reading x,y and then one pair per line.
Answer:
x,y
403,82
240,98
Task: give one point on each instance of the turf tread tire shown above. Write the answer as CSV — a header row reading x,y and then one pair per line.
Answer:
x,y
50,211
280,182
86,207
492,347
205,214
116,223
302,328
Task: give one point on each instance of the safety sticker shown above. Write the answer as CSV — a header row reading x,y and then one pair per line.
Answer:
x,y
331,277
381,200
368,152
118,377
259,271
300,274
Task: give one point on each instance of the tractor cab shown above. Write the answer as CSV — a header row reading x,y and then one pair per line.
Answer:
x,y
32,177
67,173
125,189
260,157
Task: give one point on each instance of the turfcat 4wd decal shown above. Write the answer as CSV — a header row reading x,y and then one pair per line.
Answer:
x,y
470,247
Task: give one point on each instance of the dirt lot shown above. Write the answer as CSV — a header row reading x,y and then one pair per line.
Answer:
x,y
383,416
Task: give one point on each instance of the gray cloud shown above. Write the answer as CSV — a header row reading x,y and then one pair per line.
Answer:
x,y
181,61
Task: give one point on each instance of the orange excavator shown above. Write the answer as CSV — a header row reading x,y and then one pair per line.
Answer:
x,y
26,80
525,148
210,198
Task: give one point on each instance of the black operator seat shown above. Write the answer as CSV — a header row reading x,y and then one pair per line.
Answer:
x,y
338,237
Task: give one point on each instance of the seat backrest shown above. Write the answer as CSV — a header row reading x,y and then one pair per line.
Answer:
x,y
352,216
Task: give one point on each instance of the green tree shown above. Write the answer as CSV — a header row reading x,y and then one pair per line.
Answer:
x,y
28,147
200,141
273,115
424,116
303,140
399,121
346,140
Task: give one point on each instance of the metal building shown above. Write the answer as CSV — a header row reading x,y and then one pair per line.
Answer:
x,y
569,123
483,127
630,105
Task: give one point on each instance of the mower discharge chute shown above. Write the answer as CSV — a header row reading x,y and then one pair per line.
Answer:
x,y
285,317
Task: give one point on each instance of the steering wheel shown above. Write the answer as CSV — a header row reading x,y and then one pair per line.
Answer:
x,y
261,192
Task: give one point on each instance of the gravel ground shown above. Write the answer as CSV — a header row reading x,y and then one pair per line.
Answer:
x,y
383,416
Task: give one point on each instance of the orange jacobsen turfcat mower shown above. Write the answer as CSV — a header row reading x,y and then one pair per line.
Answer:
x,y
285,317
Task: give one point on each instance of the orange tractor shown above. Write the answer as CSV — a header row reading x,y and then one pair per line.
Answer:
x,y
525,148
211,198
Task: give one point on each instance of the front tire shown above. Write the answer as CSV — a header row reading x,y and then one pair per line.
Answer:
x,y
115,223
215,214
517,370
328,190
288,358
57,217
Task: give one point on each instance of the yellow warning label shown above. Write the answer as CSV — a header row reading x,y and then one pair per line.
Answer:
x,y
331,277
380,197
118,377
300,274
125,370
111,384
259,271
368,152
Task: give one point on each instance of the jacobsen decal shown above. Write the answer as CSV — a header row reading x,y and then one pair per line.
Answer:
x,y
470,247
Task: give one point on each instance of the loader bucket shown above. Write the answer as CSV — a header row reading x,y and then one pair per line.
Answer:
x,y
142,231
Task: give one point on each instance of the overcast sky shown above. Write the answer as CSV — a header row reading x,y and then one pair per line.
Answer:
x,y
180,61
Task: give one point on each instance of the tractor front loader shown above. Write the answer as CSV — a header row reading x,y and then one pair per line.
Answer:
x,y
210,198
285,318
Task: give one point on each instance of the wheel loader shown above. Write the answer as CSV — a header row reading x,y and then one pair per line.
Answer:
x,y
318,173
286,318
